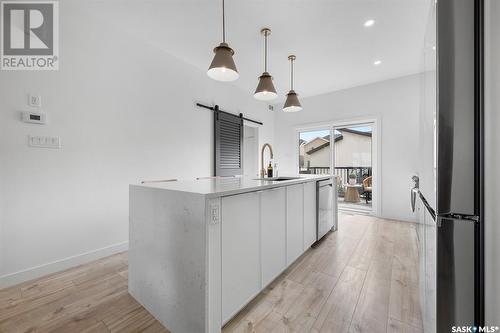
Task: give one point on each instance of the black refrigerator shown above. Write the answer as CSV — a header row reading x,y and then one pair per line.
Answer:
x,y
454,197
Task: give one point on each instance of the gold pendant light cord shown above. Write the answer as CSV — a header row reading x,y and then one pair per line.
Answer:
x,y
223,23
291,74
265,52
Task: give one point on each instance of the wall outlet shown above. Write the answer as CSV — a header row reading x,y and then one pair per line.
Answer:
x,y
34,117
214,213
35,101
53,142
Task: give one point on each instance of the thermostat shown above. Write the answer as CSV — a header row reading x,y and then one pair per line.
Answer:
x,y
35,118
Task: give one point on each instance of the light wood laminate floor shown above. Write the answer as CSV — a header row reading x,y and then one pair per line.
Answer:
x,y
363,278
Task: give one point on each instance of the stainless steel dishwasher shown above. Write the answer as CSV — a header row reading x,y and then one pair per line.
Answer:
x,y
325,207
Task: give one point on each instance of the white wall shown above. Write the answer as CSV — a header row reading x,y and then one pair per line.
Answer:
x,y
251,154
395,103
125,112
492,152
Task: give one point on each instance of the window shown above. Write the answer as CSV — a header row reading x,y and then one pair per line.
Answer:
x,y
314,152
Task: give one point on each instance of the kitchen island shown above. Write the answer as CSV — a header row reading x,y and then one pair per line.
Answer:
x,y
200,250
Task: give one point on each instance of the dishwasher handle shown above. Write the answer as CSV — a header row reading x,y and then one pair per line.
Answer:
x,y
327,182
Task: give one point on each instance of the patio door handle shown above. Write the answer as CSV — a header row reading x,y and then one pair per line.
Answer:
x,y
413,198
414,192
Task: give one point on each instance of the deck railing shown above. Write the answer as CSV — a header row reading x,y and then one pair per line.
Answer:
x,y
316,170
342,174
360,172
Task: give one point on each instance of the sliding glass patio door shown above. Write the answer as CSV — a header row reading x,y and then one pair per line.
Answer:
x,y
346,152
353,151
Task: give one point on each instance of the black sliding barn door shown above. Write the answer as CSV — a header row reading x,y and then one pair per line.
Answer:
x,y
228,144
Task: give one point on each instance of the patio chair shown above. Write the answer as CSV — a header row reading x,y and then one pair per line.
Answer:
x,y
367,188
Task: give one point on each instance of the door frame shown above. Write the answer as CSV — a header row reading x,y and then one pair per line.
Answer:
x,y
375,122
246,125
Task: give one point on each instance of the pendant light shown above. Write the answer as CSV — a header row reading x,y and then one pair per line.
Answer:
x,y
222,67
292,103
265,89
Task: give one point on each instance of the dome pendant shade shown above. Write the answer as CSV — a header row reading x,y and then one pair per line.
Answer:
x,y
292,103
223,67
265,89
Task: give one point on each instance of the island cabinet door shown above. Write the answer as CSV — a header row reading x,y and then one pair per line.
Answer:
x,y
310,232
294,222
273,231
241,274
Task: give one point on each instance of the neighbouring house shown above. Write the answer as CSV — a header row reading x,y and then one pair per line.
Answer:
x,y
352,149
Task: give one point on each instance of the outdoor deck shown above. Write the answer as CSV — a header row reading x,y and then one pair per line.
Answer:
x,y
342,175
360,207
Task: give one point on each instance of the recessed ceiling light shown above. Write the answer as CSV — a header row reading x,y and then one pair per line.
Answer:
x,y
369,23
377,62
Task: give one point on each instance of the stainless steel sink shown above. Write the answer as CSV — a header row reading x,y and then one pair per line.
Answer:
x,y
278,179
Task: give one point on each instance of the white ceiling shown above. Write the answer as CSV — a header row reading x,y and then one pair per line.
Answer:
x,y
334,50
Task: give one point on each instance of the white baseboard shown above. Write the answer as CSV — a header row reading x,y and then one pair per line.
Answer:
x,y
59,265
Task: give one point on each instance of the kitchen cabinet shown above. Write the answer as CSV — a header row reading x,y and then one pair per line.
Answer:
x,y
241,277
294,222
201,250
430,277
426,231
420,227
310,231
273,233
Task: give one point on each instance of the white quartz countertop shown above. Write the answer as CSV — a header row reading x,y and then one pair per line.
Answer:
x,y
229,186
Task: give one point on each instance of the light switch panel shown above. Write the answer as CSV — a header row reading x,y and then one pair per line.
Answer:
x,y
53,142
35,101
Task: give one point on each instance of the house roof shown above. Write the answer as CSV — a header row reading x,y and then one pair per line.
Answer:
x,y
322,138
326,138
337,137
348,130
315,149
